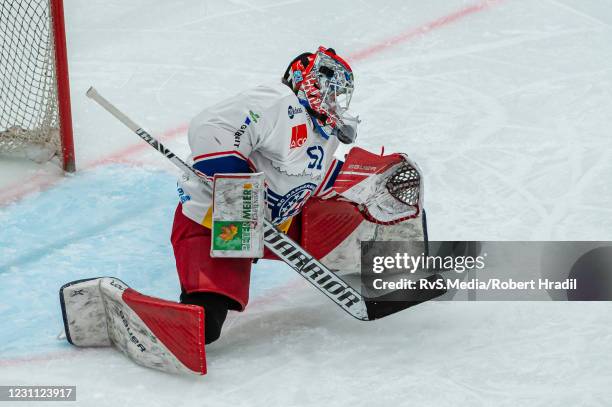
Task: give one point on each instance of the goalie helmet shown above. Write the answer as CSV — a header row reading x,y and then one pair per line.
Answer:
x,y
324,84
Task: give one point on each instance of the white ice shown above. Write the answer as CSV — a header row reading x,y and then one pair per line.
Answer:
x,y
506,109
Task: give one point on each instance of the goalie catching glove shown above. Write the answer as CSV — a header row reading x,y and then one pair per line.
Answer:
x,y
387,189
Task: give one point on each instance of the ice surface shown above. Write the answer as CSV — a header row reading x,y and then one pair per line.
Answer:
x,y
506,109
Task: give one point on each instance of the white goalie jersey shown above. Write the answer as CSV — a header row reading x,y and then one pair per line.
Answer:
x,y
264,129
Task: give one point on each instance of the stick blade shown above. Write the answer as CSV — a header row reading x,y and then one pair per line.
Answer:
x,y
399,300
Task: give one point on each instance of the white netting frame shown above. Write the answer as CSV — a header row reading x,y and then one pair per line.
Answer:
x,y
29,112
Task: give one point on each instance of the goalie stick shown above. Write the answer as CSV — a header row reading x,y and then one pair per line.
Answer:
x,y
307,266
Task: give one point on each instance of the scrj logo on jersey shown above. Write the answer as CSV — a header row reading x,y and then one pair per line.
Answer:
x,y
283,207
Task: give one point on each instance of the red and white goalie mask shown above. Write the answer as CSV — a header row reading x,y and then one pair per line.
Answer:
x,y
324,84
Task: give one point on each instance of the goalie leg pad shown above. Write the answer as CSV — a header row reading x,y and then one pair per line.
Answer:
x,y
332,231
83,313
155,333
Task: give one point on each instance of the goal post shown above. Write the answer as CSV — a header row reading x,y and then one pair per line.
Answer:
x,y
63,88
35,113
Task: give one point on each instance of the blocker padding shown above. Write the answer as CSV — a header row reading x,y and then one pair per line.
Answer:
x,y
180,327
326,224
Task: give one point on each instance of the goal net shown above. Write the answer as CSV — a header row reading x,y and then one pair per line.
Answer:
x,y
35,118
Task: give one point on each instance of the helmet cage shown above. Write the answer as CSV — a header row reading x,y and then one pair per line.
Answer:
x,y
336,82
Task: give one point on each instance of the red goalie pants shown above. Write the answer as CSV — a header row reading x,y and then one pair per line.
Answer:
x,y
198,272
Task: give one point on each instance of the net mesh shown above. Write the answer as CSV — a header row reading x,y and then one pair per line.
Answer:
x,y
404,184
28,89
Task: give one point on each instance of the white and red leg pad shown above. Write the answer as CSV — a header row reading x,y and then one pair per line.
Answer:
x,y
155,333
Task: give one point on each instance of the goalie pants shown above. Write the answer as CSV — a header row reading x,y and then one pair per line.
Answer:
x,y
217,284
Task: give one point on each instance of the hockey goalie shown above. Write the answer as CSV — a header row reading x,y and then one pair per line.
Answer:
x,y
269,152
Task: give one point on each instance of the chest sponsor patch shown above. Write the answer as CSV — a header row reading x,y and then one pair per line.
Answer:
x,y
299,134
282,207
